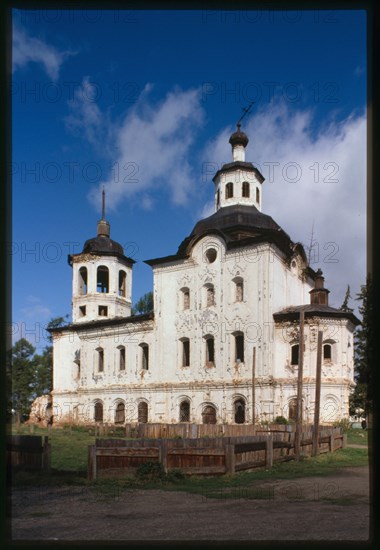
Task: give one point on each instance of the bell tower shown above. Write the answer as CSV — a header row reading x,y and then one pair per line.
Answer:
x,y
102,277
238,182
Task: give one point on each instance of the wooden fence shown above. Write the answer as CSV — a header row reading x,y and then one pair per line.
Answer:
x,y
184,430
28,452
204,456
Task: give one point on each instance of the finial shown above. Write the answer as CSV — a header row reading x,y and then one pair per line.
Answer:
x,y
246,111
103,225
103,203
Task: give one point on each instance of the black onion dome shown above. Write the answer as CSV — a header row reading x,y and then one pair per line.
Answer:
x,y
239,215
239,138
102,245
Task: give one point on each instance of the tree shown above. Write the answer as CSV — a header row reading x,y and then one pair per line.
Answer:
x,y
144,304
43,380
362,397
21,371
347,297
29,375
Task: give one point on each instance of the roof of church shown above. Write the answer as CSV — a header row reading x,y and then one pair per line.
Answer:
x,y
246,166
102,244
239,225
139,318
311,310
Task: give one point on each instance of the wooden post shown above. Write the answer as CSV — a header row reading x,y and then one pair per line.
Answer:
x,y
317,402
230,459
253,386
163,454
91,464
269,452
297,435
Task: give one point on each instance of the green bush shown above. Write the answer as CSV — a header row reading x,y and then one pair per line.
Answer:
x,y
150,471
280,420
345,424
174,475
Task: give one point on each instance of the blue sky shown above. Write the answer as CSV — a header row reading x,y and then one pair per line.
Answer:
x,y
143,102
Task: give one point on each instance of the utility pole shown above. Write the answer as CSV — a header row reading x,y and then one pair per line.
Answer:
x,y
317,402
253,385
298,434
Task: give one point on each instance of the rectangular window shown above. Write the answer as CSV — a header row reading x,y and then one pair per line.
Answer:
x,y
100,360
239,348
145,357
82,311
103,311
210,350
122,358
186,353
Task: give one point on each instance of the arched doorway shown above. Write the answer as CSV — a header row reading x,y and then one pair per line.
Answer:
x,y
209,415
239,411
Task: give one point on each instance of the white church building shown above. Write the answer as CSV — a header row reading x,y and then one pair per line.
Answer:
x,y
222,344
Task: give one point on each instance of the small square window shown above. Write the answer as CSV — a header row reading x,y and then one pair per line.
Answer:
x,y
82,311
103,311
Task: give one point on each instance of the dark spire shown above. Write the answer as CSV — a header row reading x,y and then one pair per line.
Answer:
x,y
103,204
319,294
103,225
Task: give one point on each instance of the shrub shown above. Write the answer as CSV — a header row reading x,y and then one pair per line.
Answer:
x,y
174,475
280,420
150,471
344,423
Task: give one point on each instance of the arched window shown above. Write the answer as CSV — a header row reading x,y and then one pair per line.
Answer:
x,y
185,298
257,195
100,359
120,413
218,199
122,283
293,409
121,357
210,351
77,363
239,407
98,412
209,415
239,289
239,346
327,352
210,296
185,344
102,279
295,351
229,190
144,356
82,281
142,412
245,189
184,411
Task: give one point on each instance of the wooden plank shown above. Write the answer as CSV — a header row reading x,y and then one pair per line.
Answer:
x,y
269,452
297,441
253,446
197,452
317,402
204,470
127,451
230,459
91,463
249,465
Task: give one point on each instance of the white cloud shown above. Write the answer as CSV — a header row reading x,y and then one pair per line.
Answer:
x,y
279,134
35,309
28,49
152,144
85,116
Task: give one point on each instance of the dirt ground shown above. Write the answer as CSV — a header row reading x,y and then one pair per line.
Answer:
x,y
311,508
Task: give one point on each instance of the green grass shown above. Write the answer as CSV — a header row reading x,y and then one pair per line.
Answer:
x,y
69,465
357,437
